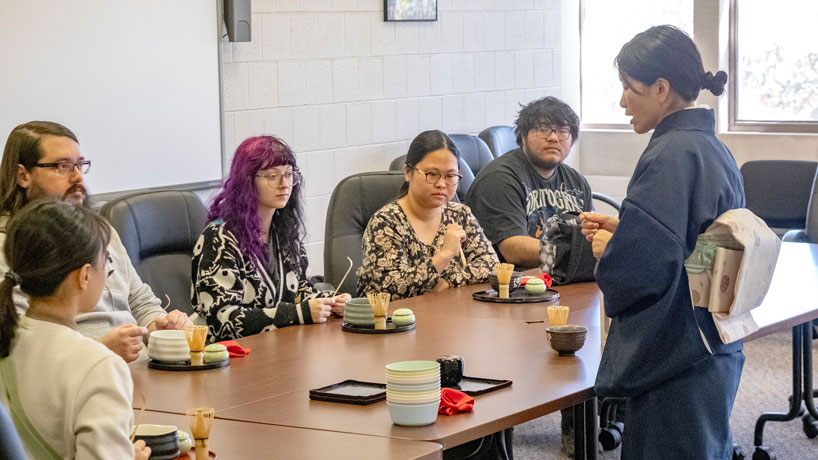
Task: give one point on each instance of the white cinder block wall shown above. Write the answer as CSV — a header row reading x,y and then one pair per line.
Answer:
x,y
349,91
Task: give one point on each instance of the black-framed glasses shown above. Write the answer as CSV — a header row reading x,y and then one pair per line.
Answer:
x,y
66,167
433,176
109,264
290,178
545,131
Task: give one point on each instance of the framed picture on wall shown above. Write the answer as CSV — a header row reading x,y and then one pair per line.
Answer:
x,y
410,10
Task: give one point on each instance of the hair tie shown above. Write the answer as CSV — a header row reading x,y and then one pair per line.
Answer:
x,y
13,277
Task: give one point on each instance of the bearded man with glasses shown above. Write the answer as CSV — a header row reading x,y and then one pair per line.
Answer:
x,y
42,160
528,202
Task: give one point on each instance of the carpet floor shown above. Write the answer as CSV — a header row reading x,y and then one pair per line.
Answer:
x,y
766,382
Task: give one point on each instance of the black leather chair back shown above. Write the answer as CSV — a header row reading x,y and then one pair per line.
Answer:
x,y
462,187
812,213
354,200
778,191
810,232
500,139
473,150
159,230
11,447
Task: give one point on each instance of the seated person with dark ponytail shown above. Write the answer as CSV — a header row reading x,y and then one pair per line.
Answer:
x,y
71,393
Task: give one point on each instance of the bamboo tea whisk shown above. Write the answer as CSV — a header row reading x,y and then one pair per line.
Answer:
x,y
504,272
196,338
200,419
558,315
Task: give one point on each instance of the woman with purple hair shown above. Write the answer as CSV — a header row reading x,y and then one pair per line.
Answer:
x,y
249,265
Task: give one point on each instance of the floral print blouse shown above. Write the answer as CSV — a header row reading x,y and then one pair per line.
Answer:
x,y
235,298
396,261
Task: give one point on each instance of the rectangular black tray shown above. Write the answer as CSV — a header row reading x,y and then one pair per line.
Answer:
x,y
351,392
475,386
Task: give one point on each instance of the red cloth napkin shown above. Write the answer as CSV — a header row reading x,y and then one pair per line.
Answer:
x,y
543,276
235,350
454,402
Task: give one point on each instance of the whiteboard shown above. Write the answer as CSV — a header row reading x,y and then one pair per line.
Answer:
x,y
136,80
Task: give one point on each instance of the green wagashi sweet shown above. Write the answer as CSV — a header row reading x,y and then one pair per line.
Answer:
x,y
535,286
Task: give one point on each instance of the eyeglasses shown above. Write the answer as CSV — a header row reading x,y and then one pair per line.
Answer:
x,y
545,132
434,176
66,167
109,264
290,178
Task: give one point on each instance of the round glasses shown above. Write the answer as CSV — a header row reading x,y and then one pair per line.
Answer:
x,y
433,176
546,131
290,178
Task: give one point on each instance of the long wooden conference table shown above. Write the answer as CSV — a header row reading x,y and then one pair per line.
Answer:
x,y
270,386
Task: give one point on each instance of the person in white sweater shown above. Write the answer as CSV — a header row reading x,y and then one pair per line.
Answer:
x,y
74,394
42,159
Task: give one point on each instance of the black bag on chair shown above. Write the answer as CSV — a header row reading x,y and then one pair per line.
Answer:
x,y
495,446
565,254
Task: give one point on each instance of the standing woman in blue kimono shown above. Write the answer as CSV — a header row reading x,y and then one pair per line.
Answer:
x,y
662,353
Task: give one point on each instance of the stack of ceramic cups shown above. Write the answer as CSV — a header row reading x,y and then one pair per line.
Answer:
x,y
413,392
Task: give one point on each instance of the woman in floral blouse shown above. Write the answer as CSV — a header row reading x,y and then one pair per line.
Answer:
x,y
249,265
413,245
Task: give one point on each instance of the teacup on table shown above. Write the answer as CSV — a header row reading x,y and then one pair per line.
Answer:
x,y
566,340
162,439
358,312
168,346
516,279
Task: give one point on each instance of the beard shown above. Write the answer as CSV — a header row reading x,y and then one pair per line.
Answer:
x,y
543,164
536,161
36,192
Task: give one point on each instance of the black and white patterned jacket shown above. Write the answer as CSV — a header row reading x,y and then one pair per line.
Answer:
x,y
237,299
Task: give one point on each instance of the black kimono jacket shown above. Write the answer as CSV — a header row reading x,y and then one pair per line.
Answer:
x,y
683,181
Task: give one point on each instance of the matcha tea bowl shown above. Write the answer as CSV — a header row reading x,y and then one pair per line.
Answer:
x,y
566,340
168,346
162,439
358,312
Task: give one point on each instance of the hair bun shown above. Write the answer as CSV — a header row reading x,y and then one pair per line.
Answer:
x,y
714,83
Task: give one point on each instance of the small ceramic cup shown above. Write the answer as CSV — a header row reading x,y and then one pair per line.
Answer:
x,y
451,370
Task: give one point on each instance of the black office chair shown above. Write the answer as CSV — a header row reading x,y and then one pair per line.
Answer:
x,y
159,230
500,139
11,447
354,200
778,191
473,151
609,200
810,232
462,187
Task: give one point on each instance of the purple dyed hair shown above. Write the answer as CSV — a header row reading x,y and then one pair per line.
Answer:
x,y
237,203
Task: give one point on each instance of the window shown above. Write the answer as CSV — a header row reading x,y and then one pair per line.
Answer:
x,y
605,26
773,66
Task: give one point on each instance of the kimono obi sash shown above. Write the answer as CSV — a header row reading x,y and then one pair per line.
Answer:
x,y
730,270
